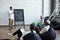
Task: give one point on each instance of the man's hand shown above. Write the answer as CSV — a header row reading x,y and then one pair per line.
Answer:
x,y
48,21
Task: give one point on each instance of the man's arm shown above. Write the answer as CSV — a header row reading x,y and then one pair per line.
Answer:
x,y
16,32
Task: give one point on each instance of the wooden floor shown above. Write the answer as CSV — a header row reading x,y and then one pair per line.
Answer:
x,y
4,33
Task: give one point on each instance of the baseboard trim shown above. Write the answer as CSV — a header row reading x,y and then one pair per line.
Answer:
x,y
14,25
3,25
4,39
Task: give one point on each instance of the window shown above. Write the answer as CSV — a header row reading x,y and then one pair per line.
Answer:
x,y
53,6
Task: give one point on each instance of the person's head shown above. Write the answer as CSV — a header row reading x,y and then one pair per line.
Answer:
x,y
31,27
45,20
10,7
41,17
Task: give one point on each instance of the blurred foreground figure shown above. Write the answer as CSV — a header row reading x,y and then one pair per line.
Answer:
x,y
20,33
27,35
47,32
33,35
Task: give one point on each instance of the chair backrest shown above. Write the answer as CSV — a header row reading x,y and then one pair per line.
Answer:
x,y
49,35
29,36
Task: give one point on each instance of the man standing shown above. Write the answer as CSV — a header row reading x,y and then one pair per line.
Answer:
x,y
11,17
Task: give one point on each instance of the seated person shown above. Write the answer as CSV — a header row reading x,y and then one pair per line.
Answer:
x,y
47,33
20,33
32,35
41,23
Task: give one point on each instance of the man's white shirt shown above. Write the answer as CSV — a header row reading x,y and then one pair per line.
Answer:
x,y
45,29
11,14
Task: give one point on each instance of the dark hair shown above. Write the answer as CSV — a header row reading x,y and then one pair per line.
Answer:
x,y
32,27
10,6
46,18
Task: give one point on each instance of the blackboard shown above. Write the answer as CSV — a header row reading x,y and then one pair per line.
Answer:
x,y
18,15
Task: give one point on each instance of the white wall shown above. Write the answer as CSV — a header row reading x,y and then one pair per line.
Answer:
x,y
47,7
32,9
